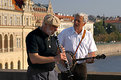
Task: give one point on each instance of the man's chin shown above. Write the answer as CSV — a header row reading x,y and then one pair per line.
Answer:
x,y
51,33
76,25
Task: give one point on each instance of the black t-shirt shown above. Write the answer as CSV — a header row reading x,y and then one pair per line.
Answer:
x,y
39,42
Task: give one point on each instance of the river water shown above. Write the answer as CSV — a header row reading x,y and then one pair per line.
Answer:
x,y
109,64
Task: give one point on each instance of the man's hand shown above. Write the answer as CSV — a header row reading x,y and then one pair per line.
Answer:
x,y
92,54
90,61
61,55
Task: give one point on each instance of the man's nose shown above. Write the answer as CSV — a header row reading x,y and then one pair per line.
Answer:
x,y
77,21
56,29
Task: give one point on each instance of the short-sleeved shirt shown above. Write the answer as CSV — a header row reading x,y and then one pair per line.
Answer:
x,y
39,42
70,40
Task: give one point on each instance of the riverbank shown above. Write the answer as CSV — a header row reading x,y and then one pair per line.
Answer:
x,y
109,49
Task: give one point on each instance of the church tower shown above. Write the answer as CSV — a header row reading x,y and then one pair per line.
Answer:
x,y
50,9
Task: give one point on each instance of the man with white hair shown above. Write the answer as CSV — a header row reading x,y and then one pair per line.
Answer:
x,y
42,50
81,43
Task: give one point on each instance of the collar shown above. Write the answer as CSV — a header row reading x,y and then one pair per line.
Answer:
x,y
74,32
40,32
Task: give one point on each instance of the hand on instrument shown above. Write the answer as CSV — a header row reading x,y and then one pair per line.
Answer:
x,y
90,61
92,54
61,55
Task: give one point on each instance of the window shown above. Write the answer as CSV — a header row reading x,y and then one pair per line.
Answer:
x,y
0,66
15,20
11,43
11,65
27,21
0,20
6,65
30,20
5,2
0,43
10,3
18,20
10,20
24,20
19,65
5,20
5,43
18,43
0,2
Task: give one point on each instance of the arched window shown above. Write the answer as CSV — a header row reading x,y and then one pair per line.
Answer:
x,y
19,65
0,43
11,65
5,43
0,66
11,42
6,65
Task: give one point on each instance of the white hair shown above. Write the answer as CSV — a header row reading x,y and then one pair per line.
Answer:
x,y
82,14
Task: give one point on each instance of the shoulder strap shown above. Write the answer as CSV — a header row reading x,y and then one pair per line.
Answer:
x,y
79,43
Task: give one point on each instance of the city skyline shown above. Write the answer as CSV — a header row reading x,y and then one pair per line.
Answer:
x,y
91,7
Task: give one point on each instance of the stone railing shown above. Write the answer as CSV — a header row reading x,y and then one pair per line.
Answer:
x,y
21,75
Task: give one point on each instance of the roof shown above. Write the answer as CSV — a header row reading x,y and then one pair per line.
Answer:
x,y
39,6
18,4
65,17
116,20
112,21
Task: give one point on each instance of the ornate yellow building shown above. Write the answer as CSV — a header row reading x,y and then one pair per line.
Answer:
x,y
17,19
15,23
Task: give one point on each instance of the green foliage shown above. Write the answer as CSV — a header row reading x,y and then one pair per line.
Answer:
x,y
106,32
99,28
110,28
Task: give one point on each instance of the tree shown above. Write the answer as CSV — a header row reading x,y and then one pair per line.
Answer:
x,y
106,33
110,28
99,28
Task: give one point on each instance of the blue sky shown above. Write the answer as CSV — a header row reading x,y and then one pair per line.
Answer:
x,y
91,7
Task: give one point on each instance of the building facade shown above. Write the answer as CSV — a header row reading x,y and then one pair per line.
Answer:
x,y
16,21
40,10
66,21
